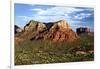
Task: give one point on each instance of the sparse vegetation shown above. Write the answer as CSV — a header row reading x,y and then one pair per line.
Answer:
x,y
41,52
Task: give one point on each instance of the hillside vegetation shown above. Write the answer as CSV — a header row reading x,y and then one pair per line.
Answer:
x,y
37,44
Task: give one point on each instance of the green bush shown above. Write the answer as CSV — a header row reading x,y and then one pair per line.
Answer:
x,y
44,51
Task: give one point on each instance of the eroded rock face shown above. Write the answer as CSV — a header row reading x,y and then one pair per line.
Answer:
x,y
17,29
41,27
63,36
63,25
31,25
34,26
83,30
61,31
55,31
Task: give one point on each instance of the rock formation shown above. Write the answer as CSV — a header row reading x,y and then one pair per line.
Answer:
x,y
83,30
54,31
34,26
17,29
61,31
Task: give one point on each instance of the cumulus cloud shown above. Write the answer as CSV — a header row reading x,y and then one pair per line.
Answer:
x,y
37,10
82,16
72,15
55,13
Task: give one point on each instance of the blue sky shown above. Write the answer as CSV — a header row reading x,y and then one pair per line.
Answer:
x,y
75,16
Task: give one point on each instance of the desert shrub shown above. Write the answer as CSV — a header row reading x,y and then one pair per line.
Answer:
x,y
44,51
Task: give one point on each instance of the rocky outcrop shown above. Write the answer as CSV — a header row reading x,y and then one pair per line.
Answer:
x,y
18,32
17,29
34,26
54,31
63,25
61,31
83,30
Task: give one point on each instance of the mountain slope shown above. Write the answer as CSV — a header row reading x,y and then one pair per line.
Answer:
x,y
54,31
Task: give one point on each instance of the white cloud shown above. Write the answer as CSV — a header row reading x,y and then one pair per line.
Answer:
x,y
55,13
37,10
82,16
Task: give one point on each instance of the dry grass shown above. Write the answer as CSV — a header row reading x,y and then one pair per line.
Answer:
x,y
44,52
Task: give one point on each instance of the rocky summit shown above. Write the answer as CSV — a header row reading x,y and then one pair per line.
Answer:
x,y
54,31
61,31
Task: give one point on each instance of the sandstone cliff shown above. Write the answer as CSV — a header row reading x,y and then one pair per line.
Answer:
x,y
54,31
